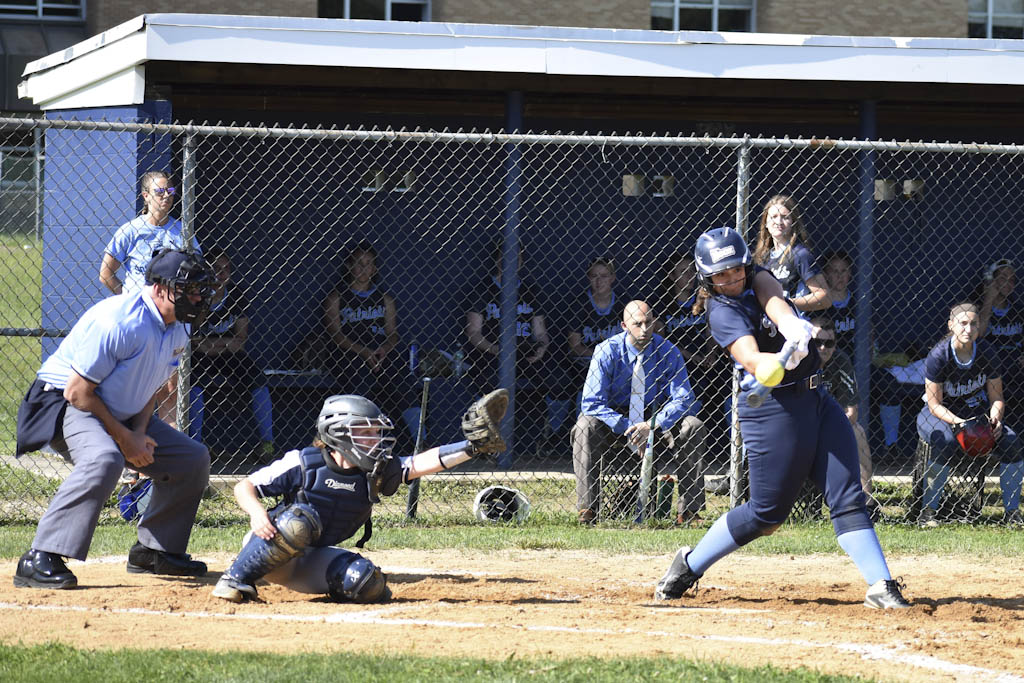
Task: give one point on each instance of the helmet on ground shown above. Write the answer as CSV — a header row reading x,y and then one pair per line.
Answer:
x,y
501,504
975,436
185,273
372,440
719,250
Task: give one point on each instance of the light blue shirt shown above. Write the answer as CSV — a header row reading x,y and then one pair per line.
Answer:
x,y
607,389
123,346
135,242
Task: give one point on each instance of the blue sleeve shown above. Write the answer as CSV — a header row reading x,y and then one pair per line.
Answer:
x,y
596,390
933,365
727,324
681,399
805,263
100,349
280,478
121,243
996,364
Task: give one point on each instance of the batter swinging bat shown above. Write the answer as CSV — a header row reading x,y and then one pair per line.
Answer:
x,y
412,499
756,396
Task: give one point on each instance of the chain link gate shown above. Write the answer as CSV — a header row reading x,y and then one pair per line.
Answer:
x,y
369,261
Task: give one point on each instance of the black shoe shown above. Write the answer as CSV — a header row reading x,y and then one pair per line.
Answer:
x,y
37,569
678,579
142,560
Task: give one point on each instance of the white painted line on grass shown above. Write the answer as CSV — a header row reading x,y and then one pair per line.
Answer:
x,y
895,654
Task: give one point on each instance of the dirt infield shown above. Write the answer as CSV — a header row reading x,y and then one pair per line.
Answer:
x,y
967,622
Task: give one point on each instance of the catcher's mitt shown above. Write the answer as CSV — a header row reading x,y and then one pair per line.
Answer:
x,y
481,425
975,436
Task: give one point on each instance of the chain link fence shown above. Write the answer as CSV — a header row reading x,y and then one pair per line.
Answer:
x,y
421,268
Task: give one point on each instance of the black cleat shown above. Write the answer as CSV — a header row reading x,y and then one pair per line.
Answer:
x,y
678,579
37,569
143,560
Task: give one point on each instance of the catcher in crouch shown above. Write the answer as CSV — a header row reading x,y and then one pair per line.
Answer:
x,y
962,381
328,493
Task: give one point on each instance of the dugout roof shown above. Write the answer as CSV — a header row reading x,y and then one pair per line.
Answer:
x,y
251,68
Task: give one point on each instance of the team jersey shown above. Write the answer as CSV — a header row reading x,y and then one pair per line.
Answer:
x,y
840,380
135,242
220,321
1006,332
363,316
488,304
342,499
688,331
794,270
731,318
594,324
963,384
843,314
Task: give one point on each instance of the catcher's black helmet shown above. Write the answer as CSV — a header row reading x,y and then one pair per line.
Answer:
x,y
501,504
340,414
184,272
719,250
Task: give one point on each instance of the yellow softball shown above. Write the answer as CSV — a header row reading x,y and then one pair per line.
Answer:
x,y
769,372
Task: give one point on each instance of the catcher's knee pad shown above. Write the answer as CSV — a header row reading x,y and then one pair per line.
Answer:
x,y
298,526
353,578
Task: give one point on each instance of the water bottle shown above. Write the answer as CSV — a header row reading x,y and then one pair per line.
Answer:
x,y
458,364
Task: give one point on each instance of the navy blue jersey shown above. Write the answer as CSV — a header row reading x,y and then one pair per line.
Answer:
x,y
963,384
793,270
688,331
1006,331
731,318
341,499
487,303
594,324
220,321
844,315
363,316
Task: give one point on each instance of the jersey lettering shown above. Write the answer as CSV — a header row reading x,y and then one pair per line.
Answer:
x,y
351,315
768,324
593,335
961,389
494,310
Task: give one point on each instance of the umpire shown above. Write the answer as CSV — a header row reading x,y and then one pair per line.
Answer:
x,y
93,401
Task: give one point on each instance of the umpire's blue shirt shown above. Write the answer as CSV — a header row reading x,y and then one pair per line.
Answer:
x,y
124,347
607,389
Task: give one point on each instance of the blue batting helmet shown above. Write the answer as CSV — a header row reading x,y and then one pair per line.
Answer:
x,y
719,250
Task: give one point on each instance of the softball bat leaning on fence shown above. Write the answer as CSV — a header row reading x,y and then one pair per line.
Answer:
x,y
768,374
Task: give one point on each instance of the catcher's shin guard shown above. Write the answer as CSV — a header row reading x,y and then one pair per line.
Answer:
x,y
678,579
297,527
353,578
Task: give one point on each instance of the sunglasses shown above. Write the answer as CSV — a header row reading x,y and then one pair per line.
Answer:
x,y
161,191
826,343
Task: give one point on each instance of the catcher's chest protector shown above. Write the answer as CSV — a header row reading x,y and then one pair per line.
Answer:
x,y
342,501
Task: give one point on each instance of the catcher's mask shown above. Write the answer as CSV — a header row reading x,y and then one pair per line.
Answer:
x,y
355,427
501,504
975,436
185,274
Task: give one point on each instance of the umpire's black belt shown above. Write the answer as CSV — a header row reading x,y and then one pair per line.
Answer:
x,y
802,385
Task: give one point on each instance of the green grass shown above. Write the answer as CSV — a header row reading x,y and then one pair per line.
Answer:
x,y
56,662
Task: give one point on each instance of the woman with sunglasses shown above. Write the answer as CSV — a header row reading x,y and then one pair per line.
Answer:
x,y
135,242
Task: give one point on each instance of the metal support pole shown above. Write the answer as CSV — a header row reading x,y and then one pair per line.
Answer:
x,y
736,443
865,259
510,268
188,231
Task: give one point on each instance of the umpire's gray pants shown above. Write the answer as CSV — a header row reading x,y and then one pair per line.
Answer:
x,y
180,473
679,450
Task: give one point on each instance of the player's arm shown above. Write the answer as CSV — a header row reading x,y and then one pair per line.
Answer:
x,y
249,500
997,407
746,352
390,328
933,397
539,330
818,298
108,273
137,447
435,460
475,334
985,310
577,346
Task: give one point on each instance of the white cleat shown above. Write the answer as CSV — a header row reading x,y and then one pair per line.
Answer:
x,y
885,594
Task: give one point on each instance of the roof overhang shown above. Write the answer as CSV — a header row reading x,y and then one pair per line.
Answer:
x,y
110,69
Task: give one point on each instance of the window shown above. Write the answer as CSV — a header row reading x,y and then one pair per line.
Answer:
x,y
390,10
703,15
56,10
995,18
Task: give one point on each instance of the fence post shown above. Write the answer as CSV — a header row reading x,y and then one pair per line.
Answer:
x,y
865,259
510,272
735,444
188,231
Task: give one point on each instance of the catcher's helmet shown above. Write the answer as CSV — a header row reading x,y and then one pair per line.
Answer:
x,y
184,273
501,504
975,436
340,415
719,250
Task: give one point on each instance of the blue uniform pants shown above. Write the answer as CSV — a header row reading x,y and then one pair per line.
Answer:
x,y
795,435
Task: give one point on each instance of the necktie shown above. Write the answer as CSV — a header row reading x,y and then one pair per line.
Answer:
x,y
636,391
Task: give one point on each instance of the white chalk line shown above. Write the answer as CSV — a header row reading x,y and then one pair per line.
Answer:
x,y
895,654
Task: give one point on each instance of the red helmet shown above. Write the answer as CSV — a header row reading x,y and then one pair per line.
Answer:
x,y
975,436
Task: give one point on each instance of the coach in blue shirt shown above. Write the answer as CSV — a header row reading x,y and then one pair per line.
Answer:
x,y
93,401
631,375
